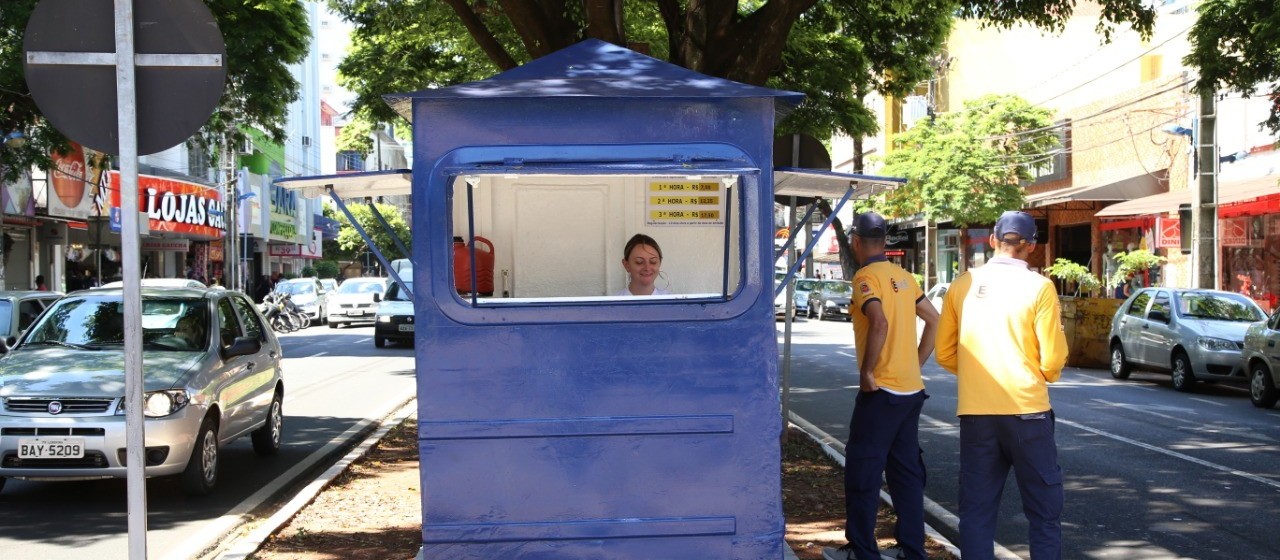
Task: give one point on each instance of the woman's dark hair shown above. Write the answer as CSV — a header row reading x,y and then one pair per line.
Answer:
x,y
640,239
39,279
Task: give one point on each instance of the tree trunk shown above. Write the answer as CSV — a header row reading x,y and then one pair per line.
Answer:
x,y
488,43
848,265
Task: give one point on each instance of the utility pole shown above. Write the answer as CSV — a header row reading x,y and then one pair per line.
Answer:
x,y
1205,204
229,259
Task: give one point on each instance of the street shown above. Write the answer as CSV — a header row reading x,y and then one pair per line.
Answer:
x,y
1149,473
334,380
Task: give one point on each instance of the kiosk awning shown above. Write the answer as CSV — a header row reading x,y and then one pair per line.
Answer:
x,y
787,181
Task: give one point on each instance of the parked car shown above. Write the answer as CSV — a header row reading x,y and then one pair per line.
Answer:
x,y
936,294
1261,359
18,310
1195,335
801,298
159,283
212,374
830,299
309,295
330,285
355,301
394,319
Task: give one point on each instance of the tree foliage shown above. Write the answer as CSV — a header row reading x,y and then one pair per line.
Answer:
x,y
350,242
1236,46
262,36
968,166
835,51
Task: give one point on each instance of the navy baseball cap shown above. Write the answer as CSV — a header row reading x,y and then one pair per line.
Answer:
x,y
1016,223
870,225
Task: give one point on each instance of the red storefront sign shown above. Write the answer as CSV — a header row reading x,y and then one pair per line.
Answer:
x,y
1233,232
1168,233
176,206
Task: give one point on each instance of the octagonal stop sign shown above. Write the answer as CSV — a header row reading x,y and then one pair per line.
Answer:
x,y
70,68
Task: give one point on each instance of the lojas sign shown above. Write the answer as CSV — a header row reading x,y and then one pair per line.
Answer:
x,y
176,206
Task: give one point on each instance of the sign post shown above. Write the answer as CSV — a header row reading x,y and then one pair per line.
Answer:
x,y
183,42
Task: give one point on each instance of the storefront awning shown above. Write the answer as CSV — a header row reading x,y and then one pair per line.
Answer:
x,y
792,181
1229,192
1132,188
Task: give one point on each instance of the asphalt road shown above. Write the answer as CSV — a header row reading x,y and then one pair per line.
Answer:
x,y
1149,472
334,379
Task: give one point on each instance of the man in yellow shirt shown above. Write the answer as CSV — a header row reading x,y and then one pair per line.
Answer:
x,y
1001,334
884,431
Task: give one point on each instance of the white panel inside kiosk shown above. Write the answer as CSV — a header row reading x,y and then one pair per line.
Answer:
x,y
561,237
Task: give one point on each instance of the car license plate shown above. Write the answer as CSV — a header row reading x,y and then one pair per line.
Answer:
x,y
406,328
51,448
355,312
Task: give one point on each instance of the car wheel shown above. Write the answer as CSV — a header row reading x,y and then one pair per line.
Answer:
x,y
333,325
380,342
1262,389
1184,379
1119,363
201,474
266,440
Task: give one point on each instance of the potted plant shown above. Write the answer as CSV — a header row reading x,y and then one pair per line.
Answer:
x,y
1075,274
1131,264
1086,321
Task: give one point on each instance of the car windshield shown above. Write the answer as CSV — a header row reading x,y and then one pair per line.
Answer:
x,y
840,289
362,287
296,288
394,293
1220,307
806,285
91,323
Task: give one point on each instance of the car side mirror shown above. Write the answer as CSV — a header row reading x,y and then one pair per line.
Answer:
x,y
377,297
243,346
4,346
1159,317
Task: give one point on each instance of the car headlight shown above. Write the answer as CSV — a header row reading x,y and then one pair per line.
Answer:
x,y
830,303
1210,343
157,404
384,318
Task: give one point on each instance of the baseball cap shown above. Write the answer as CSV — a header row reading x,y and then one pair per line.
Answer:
x,y
1016,223
869,224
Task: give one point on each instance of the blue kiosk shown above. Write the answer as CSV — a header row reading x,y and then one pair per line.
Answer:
x,y
557,419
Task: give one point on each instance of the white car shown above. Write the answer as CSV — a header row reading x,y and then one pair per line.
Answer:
x,y
356,301
309,295
160,283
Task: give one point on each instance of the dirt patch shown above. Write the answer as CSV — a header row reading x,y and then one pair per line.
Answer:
x,y
372,511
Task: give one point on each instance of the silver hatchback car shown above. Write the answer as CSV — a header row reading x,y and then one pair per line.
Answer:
x,y
211,374
1196,335
1262,360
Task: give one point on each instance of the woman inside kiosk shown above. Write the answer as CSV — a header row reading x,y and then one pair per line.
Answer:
x,y
642,261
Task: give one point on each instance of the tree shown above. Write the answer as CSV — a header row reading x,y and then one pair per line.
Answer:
x,y
1236,46
262,36
969,166
350,241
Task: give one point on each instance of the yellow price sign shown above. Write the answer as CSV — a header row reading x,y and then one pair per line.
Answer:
x,y
684,186
660,215
684,200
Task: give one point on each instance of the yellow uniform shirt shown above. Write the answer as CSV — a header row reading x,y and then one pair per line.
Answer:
x,y
1001,334
898,368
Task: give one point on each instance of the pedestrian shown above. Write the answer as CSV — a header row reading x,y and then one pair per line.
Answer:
x,y
40,285
884,430
1001,335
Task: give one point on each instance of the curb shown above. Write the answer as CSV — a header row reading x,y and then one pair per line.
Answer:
x,y
248,544
829,445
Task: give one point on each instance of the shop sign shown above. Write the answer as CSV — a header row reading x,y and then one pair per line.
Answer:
x,y
76,183
180,245
217,250
685,203
175,206
1168,233
17,197
286,230
1233,232
313,249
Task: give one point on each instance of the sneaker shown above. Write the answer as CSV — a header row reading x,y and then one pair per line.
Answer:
x,y
843,553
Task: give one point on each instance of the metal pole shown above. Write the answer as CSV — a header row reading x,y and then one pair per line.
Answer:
x,y
788,310
134,430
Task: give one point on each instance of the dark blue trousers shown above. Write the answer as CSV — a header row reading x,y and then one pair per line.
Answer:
x,y
989,446
884,438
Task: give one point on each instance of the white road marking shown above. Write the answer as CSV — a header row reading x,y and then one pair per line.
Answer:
x,y
363,340
318,354
1174,454
1206,401
843,353
1148,410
